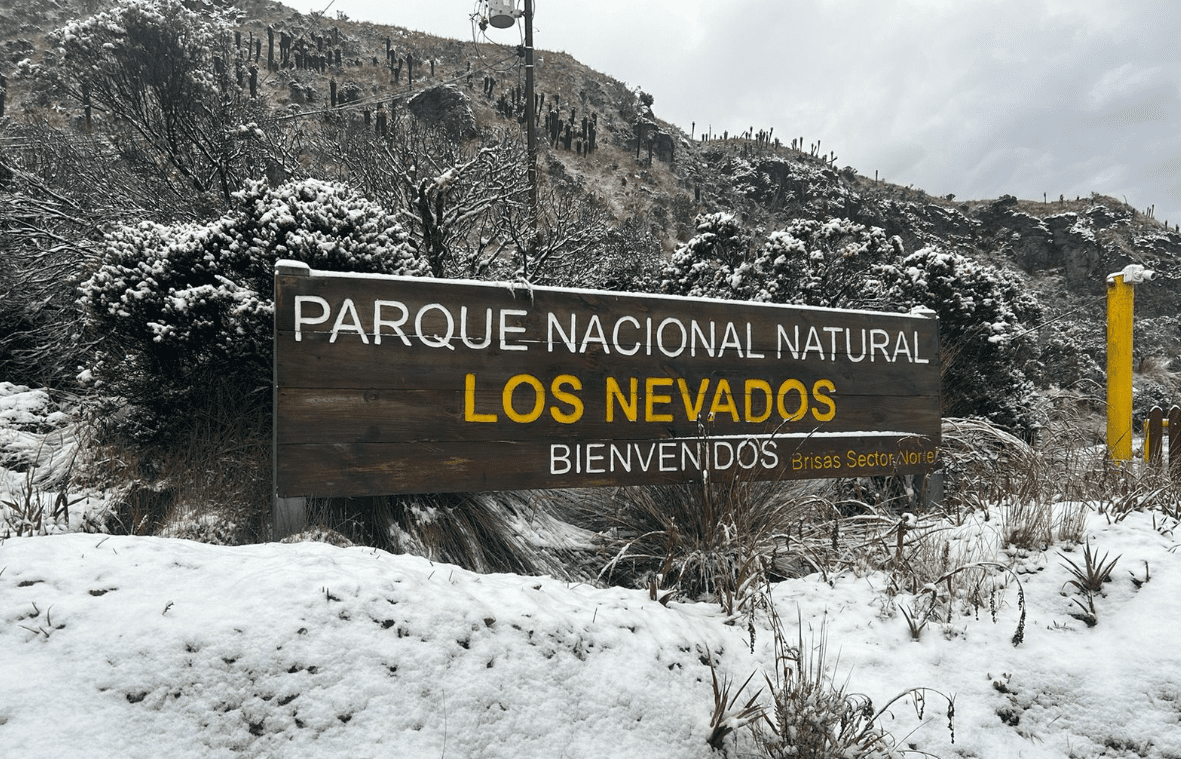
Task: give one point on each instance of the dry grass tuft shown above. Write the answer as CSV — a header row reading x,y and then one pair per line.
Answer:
x,y
812,715
483,532
712,540
211,480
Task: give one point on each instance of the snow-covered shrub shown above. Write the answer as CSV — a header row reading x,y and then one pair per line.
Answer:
x,y
706,265
176,303
808,262
1146,393
983,312
1068,358
984,318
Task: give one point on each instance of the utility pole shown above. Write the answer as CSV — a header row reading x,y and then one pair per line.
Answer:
x,y
530,116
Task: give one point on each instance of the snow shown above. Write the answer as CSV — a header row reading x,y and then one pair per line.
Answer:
x,y
122,646
172,647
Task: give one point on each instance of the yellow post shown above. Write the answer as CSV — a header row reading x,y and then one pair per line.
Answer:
x,y
1120,301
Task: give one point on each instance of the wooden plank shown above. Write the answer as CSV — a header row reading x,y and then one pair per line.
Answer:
x,y
314,362
308,416
1155,436
382,468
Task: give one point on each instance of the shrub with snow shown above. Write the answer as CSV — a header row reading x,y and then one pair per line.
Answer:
x,y
984,318
178,302
808,262
983,311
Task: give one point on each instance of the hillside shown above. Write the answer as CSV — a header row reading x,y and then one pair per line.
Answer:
x,y
1065,244
150,604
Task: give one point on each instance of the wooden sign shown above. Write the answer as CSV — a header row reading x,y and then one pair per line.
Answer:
x,y
389,385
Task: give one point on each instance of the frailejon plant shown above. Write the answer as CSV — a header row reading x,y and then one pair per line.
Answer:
x,y
730,714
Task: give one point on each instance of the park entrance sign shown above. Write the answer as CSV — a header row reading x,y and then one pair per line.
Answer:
x,y
387,385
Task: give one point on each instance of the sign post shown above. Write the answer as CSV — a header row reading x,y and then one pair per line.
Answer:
x,y
387,385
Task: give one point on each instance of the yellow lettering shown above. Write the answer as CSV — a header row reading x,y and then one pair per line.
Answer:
x,y
538,398
651,398
628,406
693,410
718,404
576,407
824,400
784,389
765,387
469,402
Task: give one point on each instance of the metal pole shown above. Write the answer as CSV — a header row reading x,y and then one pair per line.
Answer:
x,y
530,116
1120,304
1120,300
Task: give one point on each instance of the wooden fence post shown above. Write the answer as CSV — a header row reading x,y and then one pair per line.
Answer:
x,y
1153,437
1175,440
288,515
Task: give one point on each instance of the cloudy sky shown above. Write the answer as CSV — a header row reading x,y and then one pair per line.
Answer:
x,y
972,97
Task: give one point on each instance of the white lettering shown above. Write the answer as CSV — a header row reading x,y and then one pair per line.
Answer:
x,y
555,325
782,339
559,454
615,336
435,341
813,344
660,337
902,347
736,343
876,344
299,317
347,309
594,334
487,330
396,326
505,329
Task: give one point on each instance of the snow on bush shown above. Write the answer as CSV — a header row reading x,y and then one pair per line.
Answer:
x,y
820,263
172,299
985,316
983,311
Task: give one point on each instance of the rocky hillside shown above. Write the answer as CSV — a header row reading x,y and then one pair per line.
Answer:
x,y
646,172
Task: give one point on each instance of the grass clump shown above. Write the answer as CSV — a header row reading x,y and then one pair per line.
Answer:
x,y
812,716
707,540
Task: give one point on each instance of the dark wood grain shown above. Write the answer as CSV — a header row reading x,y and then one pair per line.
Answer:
x,y
420,405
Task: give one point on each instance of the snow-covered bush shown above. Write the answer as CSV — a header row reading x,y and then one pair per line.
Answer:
x,y
172,303
706,265
1069,357
808,262
985,315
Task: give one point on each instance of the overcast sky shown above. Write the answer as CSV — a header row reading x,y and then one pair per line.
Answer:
x,y
973,97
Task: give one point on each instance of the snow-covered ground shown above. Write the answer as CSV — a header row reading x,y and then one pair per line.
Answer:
x,y
147,647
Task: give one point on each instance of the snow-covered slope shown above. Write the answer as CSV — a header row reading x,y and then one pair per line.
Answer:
x,y
146,647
